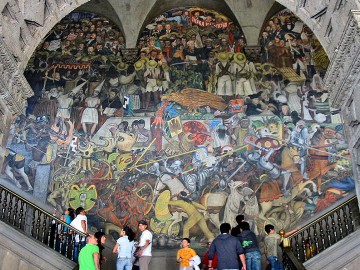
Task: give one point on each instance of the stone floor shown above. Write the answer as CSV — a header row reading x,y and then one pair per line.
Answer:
x,y
163,259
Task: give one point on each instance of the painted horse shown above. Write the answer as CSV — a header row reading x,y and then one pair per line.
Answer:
x,y
319,158
290,159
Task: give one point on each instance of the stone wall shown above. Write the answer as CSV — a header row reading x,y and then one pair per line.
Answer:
x,y
22,252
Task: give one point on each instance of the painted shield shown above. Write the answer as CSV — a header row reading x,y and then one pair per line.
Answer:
x,y
83,196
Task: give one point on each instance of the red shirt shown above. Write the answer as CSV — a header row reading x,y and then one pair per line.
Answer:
x,y
206,260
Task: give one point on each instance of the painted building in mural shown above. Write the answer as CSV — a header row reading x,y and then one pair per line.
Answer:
x,y
191,133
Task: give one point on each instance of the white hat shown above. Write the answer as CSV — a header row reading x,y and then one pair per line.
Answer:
x,y
127,79
78,88
99,87
281,98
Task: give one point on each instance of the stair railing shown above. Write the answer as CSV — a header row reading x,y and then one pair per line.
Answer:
x,y
320,234
34,221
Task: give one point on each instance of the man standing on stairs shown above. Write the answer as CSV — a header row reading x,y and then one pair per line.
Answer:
x,y
273,250
89,257
228,250
79,223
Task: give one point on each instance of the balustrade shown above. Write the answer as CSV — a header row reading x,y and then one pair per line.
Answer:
x,y
321,234
44,226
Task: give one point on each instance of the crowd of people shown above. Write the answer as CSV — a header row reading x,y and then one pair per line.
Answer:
x,y
90,48
236,248
130,254
233,248
185,48
88,250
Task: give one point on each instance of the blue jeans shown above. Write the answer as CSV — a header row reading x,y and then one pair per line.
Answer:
x,y
253,260
77,247
123,264
275,263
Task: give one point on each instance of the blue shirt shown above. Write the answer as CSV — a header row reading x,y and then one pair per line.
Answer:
x,y
125,247
67,220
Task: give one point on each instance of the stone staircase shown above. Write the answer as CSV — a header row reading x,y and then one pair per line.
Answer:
x,y
21,252
344,255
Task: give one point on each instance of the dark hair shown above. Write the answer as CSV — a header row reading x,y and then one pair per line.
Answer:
x,y
239,218
294,114
311,93
79,210
187,239
268,228
71,213
143,222
244,226
98,236
125,124
135,123
225,228
129,232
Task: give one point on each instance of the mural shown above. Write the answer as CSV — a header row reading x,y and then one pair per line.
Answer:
x,y
189,135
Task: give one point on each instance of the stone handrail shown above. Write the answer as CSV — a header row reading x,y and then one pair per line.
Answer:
x,y
321,234
37,223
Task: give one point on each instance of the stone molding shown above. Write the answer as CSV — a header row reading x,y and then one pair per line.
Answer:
x,y
22,31
354,142
345,63
14,89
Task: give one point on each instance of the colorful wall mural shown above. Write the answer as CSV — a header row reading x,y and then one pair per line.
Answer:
x,y
189,135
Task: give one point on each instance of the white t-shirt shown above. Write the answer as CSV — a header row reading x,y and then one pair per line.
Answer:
x,y
146,235
76,223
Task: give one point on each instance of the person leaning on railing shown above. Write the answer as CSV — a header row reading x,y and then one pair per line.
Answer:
x,y
68,216
79,223
56,230
273,250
